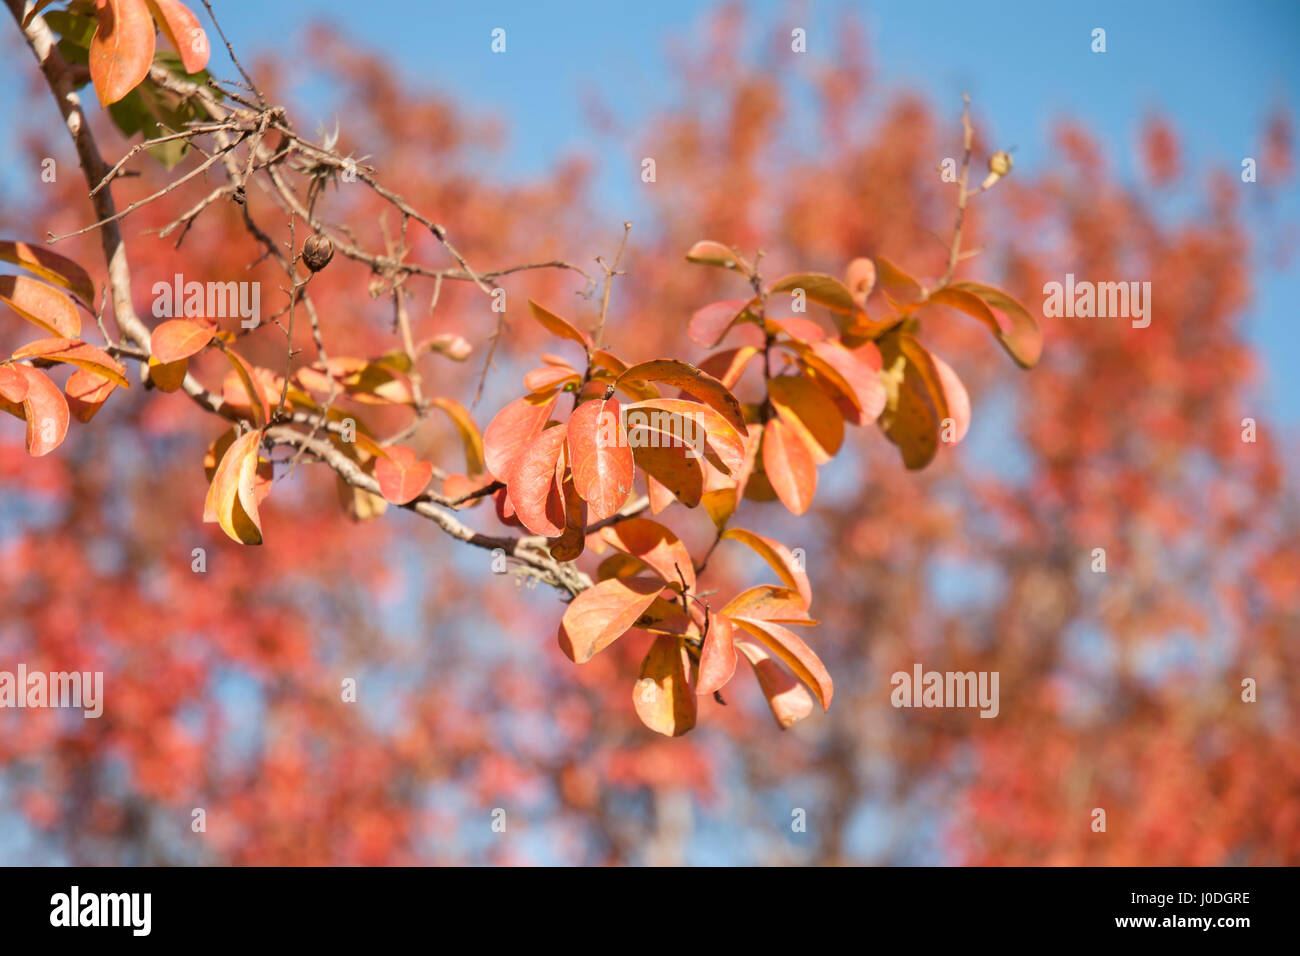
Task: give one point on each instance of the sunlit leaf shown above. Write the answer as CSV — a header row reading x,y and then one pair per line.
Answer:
x,y
794,653
1015,328
809,412
693,381
788,699
51,267
534,486
779,558
558,326
654,545
80,354
182,29
121,50
789,466
599,456
603,613
512,428
662,694
822,289
401,475
41,305
178,339
717,657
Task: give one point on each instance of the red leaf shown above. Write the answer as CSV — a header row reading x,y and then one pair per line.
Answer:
x,y
789,466
121,51
511,429
533,483
178,339
709,325
401,475
599,456
603,613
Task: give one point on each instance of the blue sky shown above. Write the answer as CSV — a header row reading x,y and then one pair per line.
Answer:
x,y
1216,68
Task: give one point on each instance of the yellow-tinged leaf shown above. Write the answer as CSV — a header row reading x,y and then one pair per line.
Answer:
x,y
75,352
794,653
41,305
51,267
662,694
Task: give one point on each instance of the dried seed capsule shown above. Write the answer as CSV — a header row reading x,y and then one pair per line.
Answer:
x,y
317,252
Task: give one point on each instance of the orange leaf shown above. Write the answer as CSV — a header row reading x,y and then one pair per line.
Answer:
x,y
789,466
534,486
709,253
232,497
401,475
168,377
181,27
789,701
795,654
768,602
78,353
45,410
51,267
662,694
569,545
694,423
1015,328
779,558
822,289
86,392
657,546
42,305
13,384
469,435
603,613
121,51
718,657
178,339
512,428
599,456
558,326
694,382
809,412
910,420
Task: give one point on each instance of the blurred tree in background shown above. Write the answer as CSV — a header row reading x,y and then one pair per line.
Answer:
x,y
1119,690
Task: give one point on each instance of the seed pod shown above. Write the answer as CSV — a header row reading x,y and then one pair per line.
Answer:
x,y
317,252
1000,163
